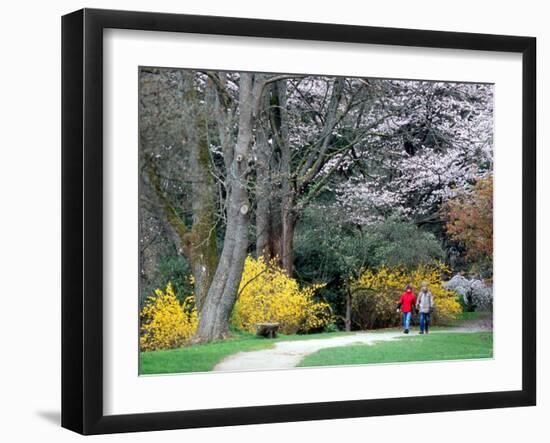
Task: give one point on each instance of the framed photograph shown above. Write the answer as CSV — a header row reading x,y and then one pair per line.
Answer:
x,y
269,221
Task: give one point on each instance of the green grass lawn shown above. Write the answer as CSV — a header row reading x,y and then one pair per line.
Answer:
x,y
476,315
203,357
438,346
472,316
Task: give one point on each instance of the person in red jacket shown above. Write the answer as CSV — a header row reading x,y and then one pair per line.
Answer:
x,y
406,304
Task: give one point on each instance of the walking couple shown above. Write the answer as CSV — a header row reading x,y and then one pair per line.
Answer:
x,y
424,304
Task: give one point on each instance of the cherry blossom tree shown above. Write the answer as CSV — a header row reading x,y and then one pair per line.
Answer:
x,y
438,142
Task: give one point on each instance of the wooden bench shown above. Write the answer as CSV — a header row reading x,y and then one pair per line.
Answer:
x,y
268,330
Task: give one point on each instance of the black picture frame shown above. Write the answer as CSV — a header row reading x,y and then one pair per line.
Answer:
x,y
82,218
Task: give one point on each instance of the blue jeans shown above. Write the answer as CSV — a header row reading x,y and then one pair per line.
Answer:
x,y
407,320
424,321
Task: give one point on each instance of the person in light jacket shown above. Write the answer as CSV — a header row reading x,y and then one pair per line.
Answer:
x,y
425,306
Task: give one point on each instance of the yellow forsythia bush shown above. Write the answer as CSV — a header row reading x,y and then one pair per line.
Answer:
x,y
267,295
165,322
375,295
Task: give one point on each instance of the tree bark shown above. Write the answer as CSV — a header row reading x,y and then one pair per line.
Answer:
x,y
203,245
348,310
264,193
288,217
296,183
217,307
198,243
287,242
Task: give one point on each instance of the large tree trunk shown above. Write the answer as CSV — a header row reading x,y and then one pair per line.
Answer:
x,y
286,213
287,240
264,192
216,310
348,310
198,243
268,198
203,251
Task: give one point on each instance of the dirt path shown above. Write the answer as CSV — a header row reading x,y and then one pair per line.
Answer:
x,y
287,354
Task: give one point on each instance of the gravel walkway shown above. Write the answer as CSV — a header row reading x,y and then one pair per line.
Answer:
x,y
287,354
